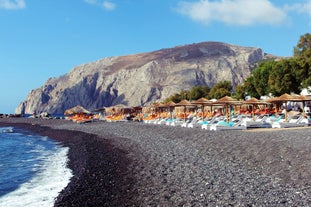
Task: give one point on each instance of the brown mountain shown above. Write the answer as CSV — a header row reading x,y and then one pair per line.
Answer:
x,y
143,78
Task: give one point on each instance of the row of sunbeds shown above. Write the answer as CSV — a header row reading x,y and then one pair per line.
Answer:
x,y
236,122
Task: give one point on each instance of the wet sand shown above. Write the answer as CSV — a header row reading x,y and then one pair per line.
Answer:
x,y
136,164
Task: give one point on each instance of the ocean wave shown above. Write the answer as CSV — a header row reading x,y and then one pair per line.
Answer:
x,y
51,177
6,130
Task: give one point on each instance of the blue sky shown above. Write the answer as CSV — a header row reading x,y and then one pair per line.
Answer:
x,y
40,39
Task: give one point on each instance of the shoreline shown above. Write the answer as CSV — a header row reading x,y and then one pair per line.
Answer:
x,y
136,164
93,183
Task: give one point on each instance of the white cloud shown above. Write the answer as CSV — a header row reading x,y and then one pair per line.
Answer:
x,y
12,4
307,8
91,1
233,12
299,7
107,5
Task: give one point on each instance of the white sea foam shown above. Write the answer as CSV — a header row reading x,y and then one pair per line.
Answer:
x,y
45,186
6,129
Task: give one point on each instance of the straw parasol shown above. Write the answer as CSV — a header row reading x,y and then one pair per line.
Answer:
x,y
254,102
184,103
76,110
115,109
227,101
285,98
302,97
169,105
203,102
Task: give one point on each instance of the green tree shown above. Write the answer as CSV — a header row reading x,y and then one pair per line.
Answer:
x,y
184,95
250,88
303,54
175,98
220,90
261,76
239,92
303,47
194,93
198,92
283,77
276,77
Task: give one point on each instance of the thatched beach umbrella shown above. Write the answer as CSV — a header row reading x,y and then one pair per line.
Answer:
x,y
77,110
203,102
151,108
285,98
118,109
227,102
185,103
254,102
301,98
169,105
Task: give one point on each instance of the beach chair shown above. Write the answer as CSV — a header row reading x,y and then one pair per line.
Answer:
x,y
293,121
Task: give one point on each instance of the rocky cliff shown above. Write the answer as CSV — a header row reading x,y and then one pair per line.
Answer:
x,y
143,78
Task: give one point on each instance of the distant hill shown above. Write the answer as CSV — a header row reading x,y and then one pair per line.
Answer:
x,y
140,79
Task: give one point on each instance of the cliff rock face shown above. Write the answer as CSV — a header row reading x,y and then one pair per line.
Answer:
x,y
143,78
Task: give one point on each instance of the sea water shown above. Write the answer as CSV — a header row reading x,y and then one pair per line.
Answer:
x,y
33,169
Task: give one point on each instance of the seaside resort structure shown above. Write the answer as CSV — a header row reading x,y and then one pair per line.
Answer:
x,y
222,114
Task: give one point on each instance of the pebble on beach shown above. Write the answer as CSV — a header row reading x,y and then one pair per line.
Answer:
x,y
136,164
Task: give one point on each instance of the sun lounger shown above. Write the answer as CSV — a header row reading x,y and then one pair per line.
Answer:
x,y
161,121
185,124
259,122
223,125
195,123
295,121
254,124
177,123
205,125
168,122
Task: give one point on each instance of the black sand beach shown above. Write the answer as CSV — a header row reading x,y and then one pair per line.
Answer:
x,y
136,164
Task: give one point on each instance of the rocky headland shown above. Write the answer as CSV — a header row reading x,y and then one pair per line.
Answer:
x,y
140,79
